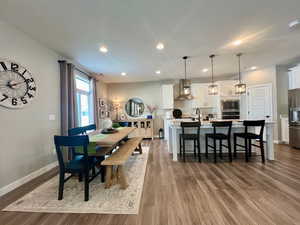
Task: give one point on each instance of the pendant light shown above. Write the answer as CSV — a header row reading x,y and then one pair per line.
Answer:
x,y
240,88
213,88
187,84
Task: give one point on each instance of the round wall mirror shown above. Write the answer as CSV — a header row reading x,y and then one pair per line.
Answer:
x,y
134,107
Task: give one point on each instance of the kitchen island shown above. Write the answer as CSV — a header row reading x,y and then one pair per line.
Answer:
x,y
206,127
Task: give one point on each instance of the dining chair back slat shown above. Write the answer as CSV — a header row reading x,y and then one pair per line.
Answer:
x,y
222,124
90,127
255,123
76,131
190,125
71,142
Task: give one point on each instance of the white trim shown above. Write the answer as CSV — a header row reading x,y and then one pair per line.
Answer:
x,y
4,190
277,142
281,142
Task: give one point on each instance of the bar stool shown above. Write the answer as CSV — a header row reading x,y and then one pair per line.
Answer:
x,y
248,137
219,136
190,137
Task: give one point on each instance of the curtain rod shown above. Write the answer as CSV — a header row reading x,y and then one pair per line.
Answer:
x,y
82,71
75,67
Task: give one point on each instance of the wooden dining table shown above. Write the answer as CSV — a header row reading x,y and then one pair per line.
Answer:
x,y
110,140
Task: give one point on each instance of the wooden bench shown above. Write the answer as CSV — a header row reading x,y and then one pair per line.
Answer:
x,y
118,159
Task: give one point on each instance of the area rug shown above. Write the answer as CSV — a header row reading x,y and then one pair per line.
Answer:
x,y
102,201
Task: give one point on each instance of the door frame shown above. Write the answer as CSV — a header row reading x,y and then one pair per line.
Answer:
x,y
270,85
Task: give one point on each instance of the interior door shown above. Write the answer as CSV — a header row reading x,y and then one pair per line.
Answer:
x,y
260,102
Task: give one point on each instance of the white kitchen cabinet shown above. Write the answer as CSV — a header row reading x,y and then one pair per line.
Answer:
x,y
294,77
167,91
201,97
227,88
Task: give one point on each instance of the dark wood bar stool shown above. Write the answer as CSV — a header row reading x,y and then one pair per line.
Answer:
x,y
190,137
248,137
220,137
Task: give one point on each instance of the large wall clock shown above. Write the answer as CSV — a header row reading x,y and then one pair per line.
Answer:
x,y
17,86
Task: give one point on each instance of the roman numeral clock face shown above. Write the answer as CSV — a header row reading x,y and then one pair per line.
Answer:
x,y
17,86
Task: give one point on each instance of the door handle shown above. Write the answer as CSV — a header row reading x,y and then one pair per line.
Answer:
x,y
268,117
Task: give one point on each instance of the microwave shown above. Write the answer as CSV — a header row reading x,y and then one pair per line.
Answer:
x,y
230,109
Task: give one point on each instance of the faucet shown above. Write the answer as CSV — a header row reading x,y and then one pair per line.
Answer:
x,y
198,112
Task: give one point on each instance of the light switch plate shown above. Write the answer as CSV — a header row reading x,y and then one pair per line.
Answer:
x,y
52,117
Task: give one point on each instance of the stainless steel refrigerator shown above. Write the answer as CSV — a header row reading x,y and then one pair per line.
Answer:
x,y
294,117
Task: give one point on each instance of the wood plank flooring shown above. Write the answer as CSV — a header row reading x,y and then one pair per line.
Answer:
x,y
191,193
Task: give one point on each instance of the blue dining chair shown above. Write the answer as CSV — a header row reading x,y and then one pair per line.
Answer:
x,y
89,127
92,148
76,131
80,166
83,131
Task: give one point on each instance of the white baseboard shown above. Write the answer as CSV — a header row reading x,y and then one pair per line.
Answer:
x,y
280,142
27,178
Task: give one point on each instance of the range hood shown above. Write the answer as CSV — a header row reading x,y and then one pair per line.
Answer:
x,y
182,95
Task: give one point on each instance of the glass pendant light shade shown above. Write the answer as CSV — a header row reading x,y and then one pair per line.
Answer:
x,y
213,88
187,90
240,88
187,83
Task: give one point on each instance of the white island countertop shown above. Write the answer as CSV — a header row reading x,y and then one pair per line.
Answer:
x,y
206,127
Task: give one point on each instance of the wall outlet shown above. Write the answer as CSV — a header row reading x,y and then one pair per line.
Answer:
x,y
52,117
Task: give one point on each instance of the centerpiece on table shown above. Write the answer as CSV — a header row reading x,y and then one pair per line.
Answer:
x,y
107,127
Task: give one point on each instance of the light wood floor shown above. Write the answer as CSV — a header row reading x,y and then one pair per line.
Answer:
x,y
192,193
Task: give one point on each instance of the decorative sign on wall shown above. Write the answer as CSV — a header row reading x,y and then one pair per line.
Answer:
x,y
17,86
104,108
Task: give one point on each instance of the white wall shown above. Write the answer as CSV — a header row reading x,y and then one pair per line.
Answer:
x,y
26,135
101,93
282,78
149,92
262,76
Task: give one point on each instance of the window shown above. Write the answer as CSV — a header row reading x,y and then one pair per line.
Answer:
x,y
84,97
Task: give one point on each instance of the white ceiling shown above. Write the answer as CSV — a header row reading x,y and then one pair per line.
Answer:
x,y
132,28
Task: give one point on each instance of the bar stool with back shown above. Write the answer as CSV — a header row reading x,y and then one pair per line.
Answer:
x,y
219,136
248,137
195,137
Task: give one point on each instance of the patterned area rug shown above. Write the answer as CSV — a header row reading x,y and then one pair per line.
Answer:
x,y
102,201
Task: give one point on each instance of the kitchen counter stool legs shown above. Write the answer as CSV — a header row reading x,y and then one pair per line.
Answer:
x,y
219,136
248,137
189,137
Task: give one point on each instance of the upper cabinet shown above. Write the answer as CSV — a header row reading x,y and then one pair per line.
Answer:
x,y
294,77
167,91
201,97
227,88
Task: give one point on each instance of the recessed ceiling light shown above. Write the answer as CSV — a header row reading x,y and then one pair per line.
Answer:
x,y
103,49
253,68
123,74
160,46
237,42
294,24
204,70
157,71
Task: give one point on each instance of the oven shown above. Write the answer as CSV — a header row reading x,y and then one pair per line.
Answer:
x,y
230,109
